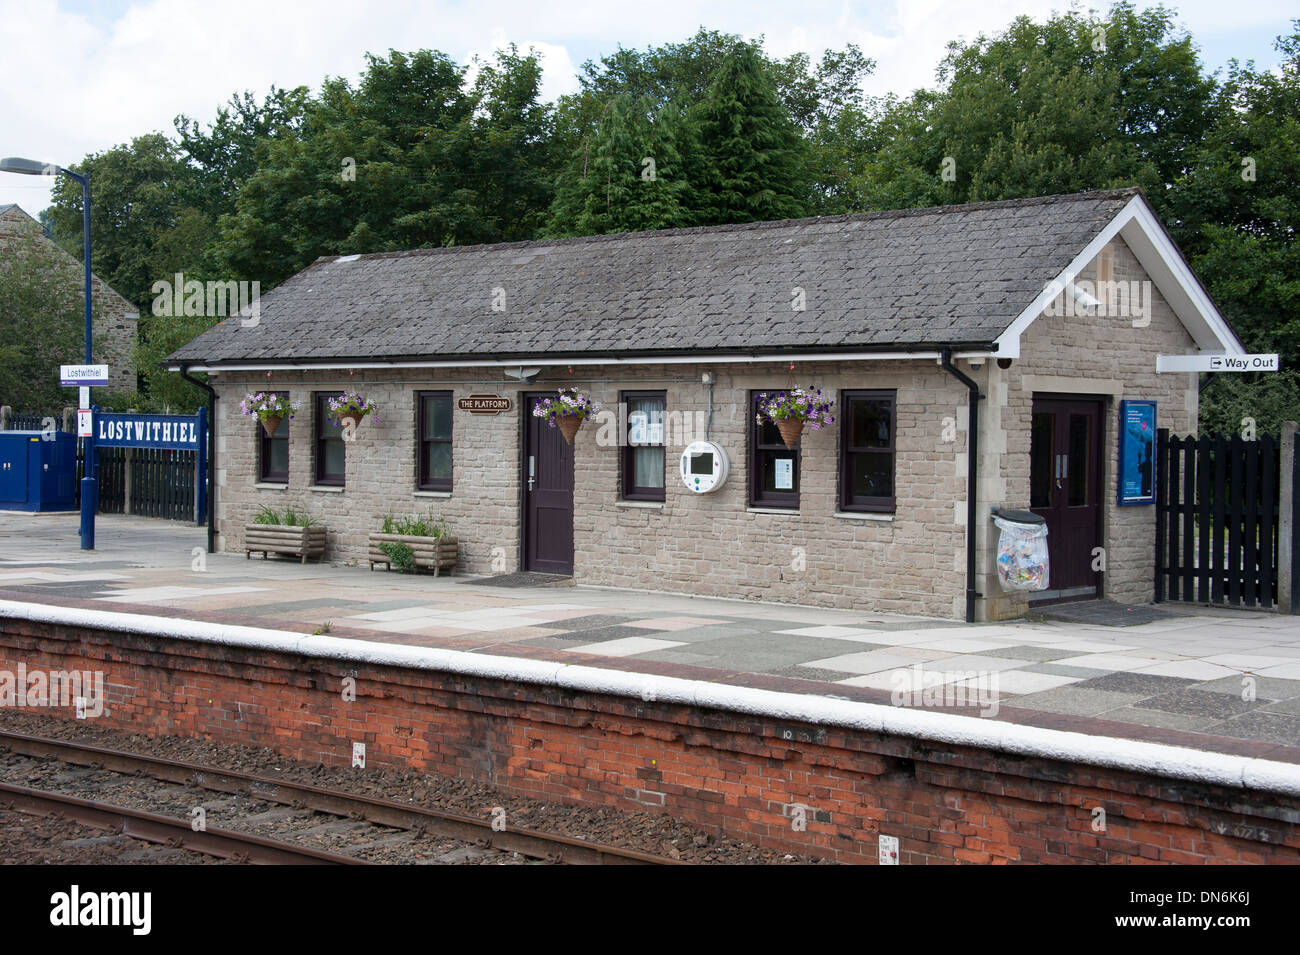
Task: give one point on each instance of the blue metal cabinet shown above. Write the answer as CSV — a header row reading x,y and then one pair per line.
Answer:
x,y
38,472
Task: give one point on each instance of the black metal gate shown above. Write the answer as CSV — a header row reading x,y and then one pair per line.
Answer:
x,y
1217,505
160,482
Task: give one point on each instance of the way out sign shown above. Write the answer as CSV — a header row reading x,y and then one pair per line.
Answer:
x,y
1216,363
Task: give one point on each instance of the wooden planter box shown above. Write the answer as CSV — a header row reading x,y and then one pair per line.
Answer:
x,y
301,542
435,552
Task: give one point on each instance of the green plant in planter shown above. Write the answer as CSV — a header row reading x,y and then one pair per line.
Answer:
x,y
416,525
399,555
267,515
290,517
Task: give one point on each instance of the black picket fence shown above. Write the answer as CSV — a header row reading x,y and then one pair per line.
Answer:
x,y
33,422
1217,519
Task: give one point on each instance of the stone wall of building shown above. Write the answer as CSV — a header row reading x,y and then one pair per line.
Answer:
x,y
1111,356
113,317
716,545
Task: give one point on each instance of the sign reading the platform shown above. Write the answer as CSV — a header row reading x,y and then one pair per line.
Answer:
x,y
178,432
73,375
484,404
85,427
1216,363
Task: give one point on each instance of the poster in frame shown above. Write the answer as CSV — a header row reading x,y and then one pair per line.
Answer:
x,y
1137,452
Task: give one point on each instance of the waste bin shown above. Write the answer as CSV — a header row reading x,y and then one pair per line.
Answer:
x,y
1022,551
38,471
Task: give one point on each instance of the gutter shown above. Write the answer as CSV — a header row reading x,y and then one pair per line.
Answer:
x,y
972,473
548,361
212,453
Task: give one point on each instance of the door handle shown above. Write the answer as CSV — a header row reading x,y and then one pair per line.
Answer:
x,y
532,470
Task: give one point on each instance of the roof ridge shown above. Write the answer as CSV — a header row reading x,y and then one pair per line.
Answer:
x,y
915,211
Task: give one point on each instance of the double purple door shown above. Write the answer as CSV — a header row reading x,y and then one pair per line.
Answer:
x,y
547,494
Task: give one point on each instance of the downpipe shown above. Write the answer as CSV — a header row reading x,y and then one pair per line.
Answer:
x,y
972,473
212,454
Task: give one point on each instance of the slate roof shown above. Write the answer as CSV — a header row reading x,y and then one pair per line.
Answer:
x,y
912,278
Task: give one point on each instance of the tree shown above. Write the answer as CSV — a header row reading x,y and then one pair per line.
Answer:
x,y
1235,213
632,179
750,163
226,153
412,157
1068,105
136,208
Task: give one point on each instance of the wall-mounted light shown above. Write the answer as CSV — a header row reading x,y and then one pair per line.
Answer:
x,y
522,374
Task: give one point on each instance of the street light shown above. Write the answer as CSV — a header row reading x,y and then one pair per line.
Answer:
x,y
89,487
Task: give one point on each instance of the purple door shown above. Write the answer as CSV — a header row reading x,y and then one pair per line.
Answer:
x,y
1065,488
548,494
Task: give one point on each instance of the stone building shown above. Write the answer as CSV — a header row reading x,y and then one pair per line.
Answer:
x,y
113,317
1051,310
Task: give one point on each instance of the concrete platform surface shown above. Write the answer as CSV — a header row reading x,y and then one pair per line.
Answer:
x,y
1208,678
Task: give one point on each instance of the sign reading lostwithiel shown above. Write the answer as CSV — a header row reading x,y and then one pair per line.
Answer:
x,y
1216,363
74,375
178,432
484,404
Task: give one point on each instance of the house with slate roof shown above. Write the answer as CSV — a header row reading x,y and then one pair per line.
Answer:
x,y
114,318
977,356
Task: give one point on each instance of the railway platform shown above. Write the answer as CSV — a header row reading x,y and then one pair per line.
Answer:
x,y
657,700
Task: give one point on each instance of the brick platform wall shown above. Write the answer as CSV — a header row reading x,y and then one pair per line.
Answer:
x,y
723,771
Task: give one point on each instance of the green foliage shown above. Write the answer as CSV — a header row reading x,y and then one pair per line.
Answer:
x,y
749,163
1070,104
400,556
136,216
290,517
416,525
1230,402
42,323
412,157
631,177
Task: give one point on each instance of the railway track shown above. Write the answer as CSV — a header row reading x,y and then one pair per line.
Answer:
x,y
358,818
164,830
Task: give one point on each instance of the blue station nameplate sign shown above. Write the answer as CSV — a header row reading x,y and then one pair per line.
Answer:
x,y
179,432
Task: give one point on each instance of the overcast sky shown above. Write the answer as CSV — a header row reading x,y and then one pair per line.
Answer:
x,y
84,75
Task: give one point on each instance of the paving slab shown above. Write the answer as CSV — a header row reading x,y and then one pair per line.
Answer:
x,y
1177,678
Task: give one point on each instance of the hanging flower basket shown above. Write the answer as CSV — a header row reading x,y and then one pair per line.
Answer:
x,y
268,407
791,410
567,411
569,426
791,429
352,405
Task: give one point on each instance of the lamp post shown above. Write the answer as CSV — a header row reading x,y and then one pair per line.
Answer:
x,y
89,486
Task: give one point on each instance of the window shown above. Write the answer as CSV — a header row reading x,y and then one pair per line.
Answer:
x,y
643,447
773,468
434,438
867,450
273,452
329,441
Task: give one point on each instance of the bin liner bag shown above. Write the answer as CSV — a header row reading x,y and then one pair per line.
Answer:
x,y
1022,555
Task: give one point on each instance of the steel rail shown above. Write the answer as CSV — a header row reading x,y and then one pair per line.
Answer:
x,y
164,830
551,847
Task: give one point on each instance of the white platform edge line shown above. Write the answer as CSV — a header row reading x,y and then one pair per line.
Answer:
x,y
1110,752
